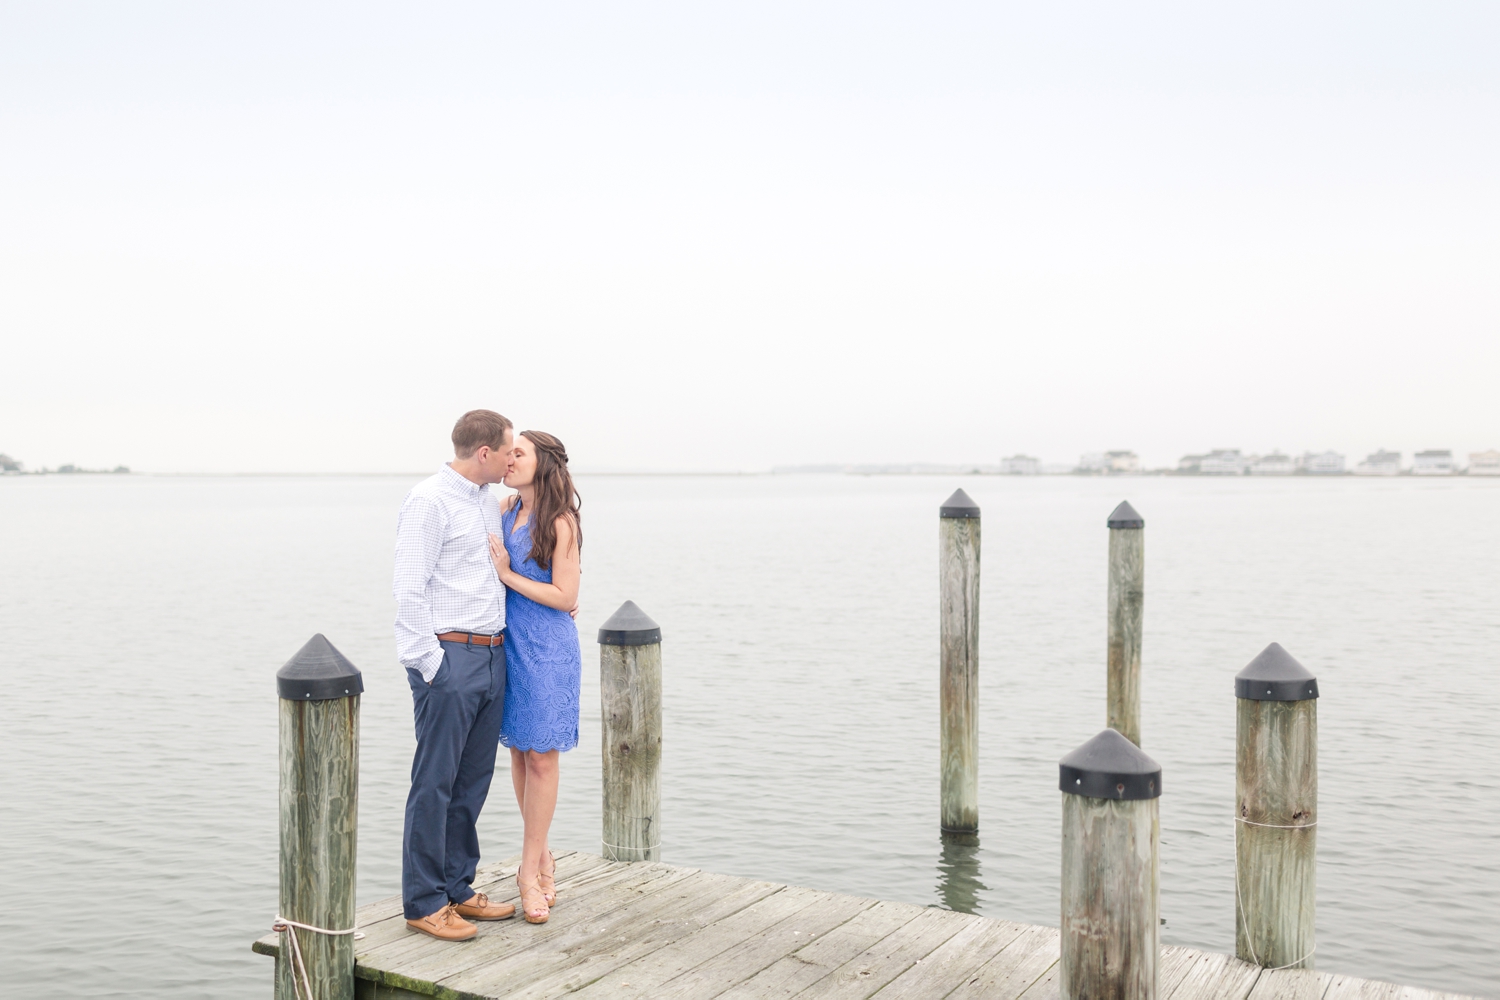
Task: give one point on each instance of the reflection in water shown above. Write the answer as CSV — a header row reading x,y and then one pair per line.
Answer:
x,y
958,883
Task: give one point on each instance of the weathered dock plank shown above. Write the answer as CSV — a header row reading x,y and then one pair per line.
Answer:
x,y
953,961
1290,984
623,931
1220,977
1018,966
791,974
872,969
648,975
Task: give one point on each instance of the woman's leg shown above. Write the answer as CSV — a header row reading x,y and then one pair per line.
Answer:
x,y
518,777
537,806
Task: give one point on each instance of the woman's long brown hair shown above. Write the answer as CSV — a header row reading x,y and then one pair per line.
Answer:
x,y
555,497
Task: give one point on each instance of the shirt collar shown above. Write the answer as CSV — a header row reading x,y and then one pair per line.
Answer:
x,y
454,481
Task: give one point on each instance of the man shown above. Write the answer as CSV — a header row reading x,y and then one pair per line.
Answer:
x,y
450,623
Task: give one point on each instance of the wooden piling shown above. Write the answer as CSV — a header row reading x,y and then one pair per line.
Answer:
x,y
1276,812
1111,942
958,572
630,708
319,761
1127,591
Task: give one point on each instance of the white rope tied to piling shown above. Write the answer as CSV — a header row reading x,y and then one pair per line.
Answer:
x,y
1239,900
617,847
1276,826
282,925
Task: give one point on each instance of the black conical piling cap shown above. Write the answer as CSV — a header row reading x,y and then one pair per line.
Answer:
x,y
318,673
1109,766
1125,516
629,626
960,504
1275,676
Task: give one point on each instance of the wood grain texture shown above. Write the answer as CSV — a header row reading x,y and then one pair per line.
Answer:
x,y
1110,899
1018,966
319,812
1290,984
1126,610
868,972
958,568
824,953
649,930
630,737
1352,988
1276,782
644,977
1220,976
953,961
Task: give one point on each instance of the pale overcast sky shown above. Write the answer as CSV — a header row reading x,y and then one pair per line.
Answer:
x,y
297,237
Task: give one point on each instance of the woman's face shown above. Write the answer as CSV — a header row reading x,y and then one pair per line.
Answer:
x,y
522,469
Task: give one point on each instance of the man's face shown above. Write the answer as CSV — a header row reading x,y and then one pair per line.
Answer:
x,y
494,463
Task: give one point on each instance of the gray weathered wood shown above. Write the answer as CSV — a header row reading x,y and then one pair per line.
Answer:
x,y
319,764
824,953
958,539
953,961
1276,783
1291,984
1352,988
869,971
1014,970
734,965
649,930
1217,976
630,708
602,956
1110,929
1127,592
645,976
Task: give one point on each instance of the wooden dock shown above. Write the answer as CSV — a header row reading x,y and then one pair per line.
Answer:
x,y
652,930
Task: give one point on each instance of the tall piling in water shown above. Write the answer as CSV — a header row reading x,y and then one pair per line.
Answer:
x,y
1276,811
318,749
630,711
958,670
1111,833
1126,606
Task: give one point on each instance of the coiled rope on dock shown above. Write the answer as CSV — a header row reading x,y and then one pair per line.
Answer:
x,y
282,925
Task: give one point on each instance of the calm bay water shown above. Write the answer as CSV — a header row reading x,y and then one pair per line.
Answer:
x,y
142,620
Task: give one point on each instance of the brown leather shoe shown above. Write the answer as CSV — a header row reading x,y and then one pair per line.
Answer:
x,y
445,925
479,907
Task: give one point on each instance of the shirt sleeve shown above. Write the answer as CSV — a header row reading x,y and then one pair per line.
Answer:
x,y
419,540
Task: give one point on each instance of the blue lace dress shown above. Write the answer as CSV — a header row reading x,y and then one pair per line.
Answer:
x,y
543,664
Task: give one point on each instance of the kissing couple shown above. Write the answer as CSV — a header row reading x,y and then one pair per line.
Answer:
x,y
486,591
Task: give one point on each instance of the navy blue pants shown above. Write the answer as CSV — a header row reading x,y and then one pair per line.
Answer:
x,y
458,731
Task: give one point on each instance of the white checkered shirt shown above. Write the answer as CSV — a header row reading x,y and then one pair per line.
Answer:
x,y
445,581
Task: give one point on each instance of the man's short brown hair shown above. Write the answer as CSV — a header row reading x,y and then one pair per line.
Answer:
x,y
478,428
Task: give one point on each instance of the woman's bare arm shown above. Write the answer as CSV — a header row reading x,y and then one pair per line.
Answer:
x,y
562,592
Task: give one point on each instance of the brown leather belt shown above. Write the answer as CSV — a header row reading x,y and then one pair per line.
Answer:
x,y
472,638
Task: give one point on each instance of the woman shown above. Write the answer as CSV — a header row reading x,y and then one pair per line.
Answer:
x,y
538,562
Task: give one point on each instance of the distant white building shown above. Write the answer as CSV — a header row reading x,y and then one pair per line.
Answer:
x,y
1274,464
1433,463
1380,463
1322,463
1484,463
1122,462
1190,463
1020,465
1224,462
1094,462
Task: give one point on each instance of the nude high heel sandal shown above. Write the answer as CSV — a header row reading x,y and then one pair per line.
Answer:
x,y
533,903
547,882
